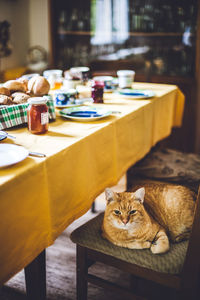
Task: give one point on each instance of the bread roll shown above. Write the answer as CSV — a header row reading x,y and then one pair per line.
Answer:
x,y
5,100
4,91
24,81
19,97
14,86
38,86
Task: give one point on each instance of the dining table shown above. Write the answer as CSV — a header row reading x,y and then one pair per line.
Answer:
x,y
41,196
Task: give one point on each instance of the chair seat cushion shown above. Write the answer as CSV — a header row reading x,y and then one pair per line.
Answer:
x,y
89,236
169,165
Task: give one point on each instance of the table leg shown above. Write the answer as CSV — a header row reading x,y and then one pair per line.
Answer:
x,y
93,210
35,277
129,177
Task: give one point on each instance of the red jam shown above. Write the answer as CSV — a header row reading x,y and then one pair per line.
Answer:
x,y
38,116
97,91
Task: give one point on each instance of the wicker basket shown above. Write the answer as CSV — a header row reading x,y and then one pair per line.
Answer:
x,y
14,115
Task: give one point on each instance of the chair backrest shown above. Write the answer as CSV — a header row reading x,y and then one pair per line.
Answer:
x,y
191,266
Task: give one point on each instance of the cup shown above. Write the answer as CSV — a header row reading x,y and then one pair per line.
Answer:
x,y
64,97
125,78
71,83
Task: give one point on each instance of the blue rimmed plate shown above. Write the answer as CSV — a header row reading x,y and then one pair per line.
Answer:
x,y
136,94
76,102
85,113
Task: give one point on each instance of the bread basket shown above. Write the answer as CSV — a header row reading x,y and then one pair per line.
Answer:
x,y
15,115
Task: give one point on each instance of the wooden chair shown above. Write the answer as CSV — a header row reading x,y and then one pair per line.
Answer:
x,y
177,269
168,165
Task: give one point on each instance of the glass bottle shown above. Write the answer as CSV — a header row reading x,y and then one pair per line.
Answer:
x,y
54,77
38,116
97,91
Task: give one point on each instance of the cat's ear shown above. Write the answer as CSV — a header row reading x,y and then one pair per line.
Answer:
x,y
110,195
139,194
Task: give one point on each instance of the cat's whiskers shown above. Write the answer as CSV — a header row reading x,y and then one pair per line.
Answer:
x,y
128,226
121,225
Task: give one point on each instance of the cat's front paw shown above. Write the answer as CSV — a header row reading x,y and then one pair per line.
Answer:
x,y
139,245
157,248
146,244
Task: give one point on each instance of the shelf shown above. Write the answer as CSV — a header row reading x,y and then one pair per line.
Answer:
x,y
88,33
171,34
75,32
155,33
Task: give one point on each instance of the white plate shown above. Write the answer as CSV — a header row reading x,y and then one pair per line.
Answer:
x,y
11,154
85,113
136,94
78,103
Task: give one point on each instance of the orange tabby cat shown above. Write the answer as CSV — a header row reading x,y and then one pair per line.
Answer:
x,y
135,223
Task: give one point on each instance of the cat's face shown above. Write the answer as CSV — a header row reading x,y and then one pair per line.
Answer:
x,y
125,210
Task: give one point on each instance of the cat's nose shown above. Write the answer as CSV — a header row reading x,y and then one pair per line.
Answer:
x,y
125,221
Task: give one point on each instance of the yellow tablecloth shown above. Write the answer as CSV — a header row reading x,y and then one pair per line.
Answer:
x,y
40,197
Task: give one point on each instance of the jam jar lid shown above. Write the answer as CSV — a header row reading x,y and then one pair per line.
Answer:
x,y
98,83
37,100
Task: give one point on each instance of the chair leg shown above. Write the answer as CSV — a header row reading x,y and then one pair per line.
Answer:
x,y
81,273
130,176
186,294
134,283
35,278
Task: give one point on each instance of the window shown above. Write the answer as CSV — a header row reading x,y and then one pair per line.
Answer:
x,y
109,22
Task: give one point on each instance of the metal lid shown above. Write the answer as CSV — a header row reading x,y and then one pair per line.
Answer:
x,y
37,100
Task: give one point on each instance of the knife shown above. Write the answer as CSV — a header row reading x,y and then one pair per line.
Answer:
x,y
37,154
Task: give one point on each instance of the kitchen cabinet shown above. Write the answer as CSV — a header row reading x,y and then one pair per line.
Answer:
x,y
159,39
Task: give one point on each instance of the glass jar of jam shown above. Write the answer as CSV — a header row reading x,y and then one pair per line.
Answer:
x,y
97,91
38,116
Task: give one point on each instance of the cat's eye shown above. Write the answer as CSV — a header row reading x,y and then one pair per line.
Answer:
x,y
132,212
117,212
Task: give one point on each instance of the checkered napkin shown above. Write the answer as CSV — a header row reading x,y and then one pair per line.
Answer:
x,y
14,115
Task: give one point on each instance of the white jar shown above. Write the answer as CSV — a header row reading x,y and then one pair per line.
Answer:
x,y
125,78
54,78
